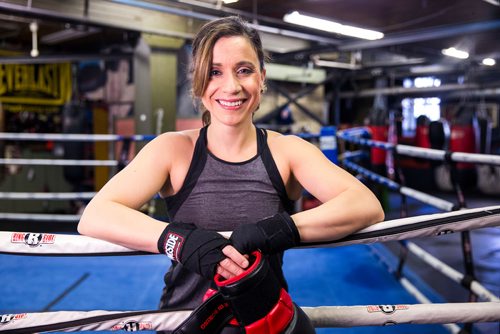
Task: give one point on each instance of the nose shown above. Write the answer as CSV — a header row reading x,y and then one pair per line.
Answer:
x,y
231,84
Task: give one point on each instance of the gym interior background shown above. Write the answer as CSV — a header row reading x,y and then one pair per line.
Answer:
x,y
120,67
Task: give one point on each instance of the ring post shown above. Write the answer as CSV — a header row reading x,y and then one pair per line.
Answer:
x,y
328,142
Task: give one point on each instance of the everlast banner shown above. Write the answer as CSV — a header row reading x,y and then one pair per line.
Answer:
x,y
35,84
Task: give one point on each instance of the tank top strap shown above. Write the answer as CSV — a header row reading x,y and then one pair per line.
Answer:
x,y
272,170
195,168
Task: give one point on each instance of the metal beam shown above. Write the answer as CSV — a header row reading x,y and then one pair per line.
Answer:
x,y
40,13
407,91
201,16
422,35
307,90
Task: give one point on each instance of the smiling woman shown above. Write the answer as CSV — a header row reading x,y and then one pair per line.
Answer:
x,y
206,64
230,175
236,80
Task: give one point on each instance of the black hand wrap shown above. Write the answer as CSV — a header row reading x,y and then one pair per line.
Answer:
x,y
197,249
260,304
270,235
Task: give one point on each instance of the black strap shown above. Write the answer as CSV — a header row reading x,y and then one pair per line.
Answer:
x,y
273,172
196,167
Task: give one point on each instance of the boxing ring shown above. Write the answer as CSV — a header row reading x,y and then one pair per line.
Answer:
x,y
456,219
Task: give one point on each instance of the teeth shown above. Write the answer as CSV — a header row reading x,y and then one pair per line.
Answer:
x,y
231,104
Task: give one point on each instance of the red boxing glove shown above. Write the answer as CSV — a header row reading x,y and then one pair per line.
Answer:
x,y
260,304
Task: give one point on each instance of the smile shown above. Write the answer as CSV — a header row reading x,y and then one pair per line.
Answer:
x,y
231,103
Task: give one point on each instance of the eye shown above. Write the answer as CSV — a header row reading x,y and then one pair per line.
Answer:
x,y
214,72
245,70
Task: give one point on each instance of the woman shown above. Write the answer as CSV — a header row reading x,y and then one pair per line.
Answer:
x,y
229,175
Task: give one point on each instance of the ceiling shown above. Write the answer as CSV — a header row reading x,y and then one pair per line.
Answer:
x,y
415,32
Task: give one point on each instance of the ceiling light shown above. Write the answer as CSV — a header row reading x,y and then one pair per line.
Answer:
x,y
229,1
452,52
489,61
493,2
331,26
68,34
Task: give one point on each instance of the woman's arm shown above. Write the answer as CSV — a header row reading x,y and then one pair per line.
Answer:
x,y
113,214
347,205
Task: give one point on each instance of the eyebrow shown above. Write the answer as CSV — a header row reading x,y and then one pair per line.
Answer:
x,y
241,63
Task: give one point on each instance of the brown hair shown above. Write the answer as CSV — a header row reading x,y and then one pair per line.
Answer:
x,y
203,45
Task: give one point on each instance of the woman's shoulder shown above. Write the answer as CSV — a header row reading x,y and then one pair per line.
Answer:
x,y
286,140
173,143
185,137
291,147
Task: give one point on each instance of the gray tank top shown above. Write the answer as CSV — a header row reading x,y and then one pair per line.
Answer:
x,y
219,195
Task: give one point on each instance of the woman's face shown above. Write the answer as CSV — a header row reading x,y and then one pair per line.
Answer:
x,y
233,92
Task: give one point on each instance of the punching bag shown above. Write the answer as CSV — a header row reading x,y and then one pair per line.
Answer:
x,y
422,132
465,138
378,124
439,139
488,176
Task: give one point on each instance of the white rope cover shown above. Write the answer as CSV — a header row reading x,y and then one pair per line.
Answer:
x,y
354,135
70,137
47,196
380,315
39,217
397,229
58,162
478,289
321,317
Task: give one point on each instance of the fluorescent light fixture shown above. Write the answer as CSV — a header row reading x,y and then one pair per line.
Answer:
x,y
428,69
67,35
489,62
229,1
331,26
493,2
452,52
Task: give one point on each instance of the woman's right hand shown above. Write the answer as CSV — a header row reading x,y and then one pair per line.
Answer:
x,y
234,264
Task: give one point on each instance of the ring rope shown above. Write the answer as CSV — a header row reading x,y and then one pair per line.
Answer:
x,y
380,315
412,289
321,317
351,135
446,270
71,137
47,196
468,282
397,229
58,162
39,217
451,273
416,194
419,152
451,326
51,196
415,292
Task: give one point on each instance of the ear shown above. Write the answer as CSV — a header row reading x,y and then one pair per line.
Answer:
x,y
263,81
263,76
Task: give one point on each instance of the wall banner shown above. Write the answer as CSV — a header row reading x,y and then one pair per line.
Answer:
x,y
39,84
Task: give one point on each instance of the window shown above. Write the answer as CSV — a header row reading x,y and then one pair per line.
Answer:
x,y
415,107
